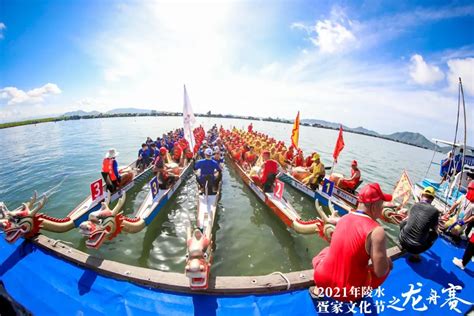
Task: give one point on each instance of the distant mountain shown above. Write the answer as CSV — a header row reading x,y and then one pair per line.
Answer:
x,y
323,123
128,110
412,138
362,130
81,113
416,139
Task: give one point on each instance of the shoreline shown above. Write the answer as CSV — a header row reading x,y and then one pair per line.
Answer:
x,y
167,114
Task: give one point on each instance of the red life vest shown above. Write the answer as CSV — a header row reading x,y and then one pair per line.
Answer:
x,y
108,167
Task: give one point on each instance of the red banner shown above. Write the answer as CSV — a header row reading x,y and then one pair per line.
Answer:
x,y
339,145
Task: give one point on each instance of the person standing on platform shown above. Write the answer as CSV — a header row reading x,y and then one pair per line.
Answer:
x,y
344,267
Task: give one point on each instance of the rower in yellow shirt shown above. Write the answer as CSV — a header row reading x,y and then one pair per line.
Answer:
x,y
317,173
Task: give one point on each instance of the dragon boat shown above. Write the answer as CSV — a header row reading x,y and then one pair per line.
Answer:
x,y
105,224
27,221
199,255
280,207
341,200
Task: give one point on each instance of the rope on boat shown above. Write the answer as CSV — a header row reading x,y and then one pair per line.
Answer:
x,y
288,283
56,241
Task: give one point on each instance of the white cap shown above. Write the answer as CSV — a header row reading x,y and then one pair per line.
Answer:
x,y
216,149
112,153
208,152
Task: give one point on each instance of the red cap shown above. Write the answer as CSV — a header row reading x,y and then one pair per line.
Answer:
x,y
163,150
372,193
266,152
471,185
354,163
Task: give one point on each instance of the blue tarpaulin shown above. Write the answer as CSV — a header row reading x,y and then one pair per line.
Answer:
x,y
48,285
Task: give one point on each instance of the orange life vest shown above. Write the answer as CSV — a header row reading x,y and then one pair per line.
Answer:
x,y
108,167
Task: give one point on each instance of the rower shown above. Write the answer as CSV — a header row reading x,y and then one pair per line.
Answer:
x,y
317,173
309,160
350,184
143,157
298,161
110,171
250,158
250,128
207,168
165,177
269,172
177,152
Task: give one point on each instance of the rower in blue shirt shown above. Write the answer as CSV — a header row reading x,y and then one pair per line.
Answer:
x,y
207,168
143,157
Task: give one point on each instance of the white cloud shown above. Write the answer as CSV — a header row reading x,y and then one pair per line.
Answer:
x,y
148,51
330,35
463,68
423,73
2,27
15,96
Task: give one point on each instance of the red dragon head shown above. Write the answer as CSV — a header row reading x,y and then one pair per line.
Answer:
x,y
25,221
102,224
198,260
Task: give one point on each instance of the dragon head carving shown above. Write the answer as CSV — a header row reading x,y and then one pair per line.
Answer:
x,y
393,214
103,224
24,221
327,225
198,259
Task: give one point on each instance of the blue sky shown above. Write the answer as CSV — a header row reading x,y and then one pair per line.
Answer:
x,y
386,65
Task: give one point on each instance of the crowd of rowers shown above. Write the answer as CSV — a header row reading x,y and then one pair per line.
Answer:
x,y
250,148
168,154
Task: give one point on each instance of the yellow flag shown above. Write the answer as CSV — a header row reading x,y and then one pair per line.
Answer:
x,y
403,189
295,132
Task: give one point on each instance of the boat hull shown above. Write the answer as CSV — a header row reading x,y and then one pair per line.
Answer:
x,y
82,211
339,205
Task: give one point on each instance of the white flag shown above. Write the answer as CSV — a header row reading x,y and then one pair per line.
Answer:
x,y
189,120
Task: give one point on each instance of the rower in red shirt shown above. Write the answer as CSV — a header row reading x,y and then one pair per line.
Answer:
x,y
298,161
177,152
250,158
269,172
289,153
309,160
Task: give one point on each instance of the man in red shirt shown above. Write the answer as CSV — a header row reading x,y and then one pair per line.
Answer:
x,y
269,171
343,267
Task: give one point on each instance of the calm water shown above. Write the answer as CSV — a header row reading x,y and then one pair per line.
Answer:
x,y
63,158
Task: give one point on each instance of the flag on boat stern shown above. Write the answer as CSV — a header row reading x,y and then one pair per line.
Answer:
x,y
339,145
188,119
295,132
403,190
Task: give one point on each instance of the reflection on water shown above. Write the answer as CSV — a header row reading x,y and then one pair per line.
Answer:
x,y
65,157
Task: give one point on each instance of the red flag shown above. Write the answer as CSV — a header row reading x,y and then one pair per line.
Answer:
x,y
339,145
